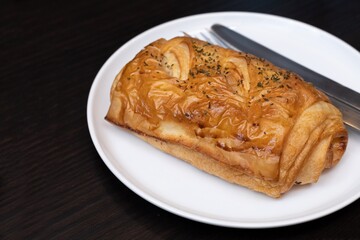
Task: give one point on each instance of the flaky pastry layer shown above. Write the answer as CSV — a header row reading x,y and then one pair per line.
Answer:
x,y
228,113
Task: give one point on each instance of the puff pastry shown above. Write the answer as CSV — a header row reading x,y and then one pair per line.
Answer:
x,y
228,113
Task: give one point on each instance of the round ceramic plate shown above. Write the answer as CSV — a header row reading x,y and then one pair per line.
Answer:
x,y
184,190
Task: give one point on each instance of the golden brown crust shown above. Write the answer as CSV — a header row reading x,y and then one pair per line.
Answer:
x,y
239,112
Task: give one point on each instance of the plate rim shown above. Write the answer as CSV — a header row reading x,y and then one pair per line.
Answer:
x,y
174,209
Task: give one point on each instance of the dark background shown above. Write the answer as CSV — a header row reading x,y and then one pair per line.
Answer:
x,y
54,185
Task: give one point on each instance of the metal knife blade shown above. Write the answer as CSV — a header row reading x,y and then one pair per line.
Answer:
x,y
346,99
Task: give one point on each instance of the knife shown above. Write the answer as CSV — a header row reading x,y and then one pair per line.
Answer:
x,y
346,99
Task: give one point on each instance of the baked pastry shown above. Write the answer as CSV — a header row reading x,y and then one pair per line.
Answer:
x,y
228,113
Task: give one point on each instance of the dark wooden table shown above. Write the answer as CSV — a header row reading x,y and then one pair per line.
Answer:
x,y
54,185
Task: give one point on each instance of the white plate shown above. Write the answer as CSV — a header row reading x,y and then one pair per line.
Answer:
x,y
183,190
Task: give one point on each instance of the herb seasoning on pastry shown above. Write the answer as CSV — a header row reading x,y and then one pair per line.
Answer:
x,y
228,113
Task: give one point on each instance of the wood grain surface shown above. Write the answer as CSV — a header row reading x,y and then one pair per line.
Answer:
x,y
53,184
